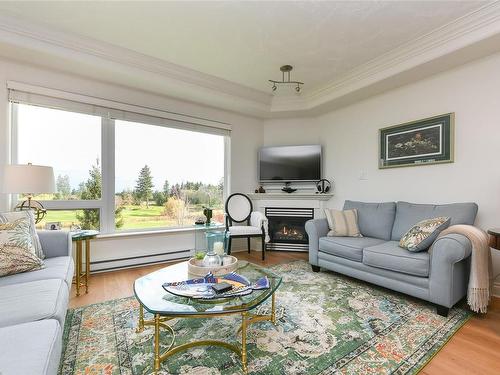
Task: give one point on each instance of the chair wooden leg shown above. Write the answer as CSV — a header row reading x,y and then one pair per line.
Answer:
x,y
229,243
248,244
263,241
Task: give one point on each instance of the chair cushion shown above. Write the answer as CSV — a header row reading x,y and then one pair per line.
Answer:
x,y
55,268
408,214
31,348
390,256
242,230
374,219
36,300
347,247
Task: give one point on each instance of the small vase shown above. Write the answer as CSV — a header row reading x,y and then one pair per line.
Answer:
x,y
211,260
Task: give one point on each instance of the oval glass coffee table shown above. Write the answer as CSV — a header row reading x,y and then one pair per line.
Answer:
x,y
165,306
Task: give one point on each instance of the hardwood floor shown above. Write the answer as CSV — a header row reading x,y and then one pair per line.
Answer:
x,y
474,349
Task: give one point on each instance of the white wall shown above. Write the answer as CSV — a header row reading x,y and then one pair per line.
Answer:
x,y
245,140
350,140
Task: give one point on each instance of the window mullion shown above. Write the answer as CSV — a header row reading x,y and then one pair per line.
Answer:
x,y
108,175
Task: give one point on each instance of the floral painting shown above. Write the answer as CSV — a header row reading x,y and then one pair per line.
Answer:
x,y
427,141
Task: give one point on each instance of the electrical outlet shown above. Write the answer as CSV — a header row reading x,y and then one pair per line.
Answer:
x,y
363,175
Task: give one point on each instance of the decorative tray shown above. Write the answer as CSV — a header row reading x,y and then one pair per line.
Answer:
x,y
201,288
195,268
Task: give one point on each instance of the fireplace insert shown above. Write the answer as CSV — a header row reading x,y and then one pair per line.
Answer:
x,y
287,228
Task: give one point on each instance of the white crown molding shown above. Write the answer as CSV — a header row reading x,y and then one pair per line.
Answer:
x,y
205,89
24,34
465,31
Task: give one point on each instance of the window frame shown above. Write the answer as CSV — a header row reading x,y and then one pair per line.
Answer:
x,y
105,205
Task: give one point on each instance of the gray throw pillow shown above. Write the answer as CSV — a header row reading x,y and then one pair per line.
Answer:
x,y
421,236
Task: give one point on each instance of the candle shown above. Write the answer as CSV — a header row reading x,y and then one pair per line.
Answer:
x,y
219,248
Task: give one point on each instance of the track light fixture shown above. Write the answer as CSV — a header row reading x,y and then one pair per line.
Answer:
x,y
286,69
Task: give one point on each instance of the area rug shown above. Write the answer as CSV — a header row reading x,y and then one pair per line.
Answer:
x,y
328,324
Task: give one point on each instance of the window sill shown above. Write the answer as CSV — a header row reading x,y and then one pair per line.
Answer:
x,y
145,233
148,232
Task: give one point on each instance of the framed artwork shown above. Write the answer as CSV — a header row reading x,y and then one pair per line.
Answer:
x,y
53,225
422,142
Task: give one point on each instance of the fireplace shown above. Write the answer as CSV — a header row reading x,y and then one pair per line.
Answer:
x,y
287,228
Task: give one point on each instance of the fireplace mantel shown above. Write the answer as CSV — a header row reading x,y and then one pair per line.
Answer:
x,y
290,196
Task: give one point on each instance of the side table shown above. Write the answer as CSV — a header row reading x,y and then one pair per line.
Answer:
x,y
494,238
81,278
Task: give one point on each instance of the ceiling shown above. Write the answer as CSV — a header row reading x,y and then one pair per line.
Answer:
x,y
245,43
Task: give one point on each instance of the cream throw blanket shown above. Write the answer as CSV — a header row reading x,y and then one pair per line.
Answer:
x,y
478,291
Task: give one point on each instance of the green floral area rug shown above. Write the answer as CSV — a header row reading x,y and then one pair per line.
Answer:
x,y
327,324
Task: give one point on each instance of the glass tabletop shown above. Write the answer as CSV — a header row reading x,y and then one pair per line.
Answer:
x,y
149,292
81,235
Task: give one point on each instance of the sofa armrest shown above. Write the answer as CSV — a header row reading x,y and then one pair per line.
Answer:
x,y
449,270
315,229
55,243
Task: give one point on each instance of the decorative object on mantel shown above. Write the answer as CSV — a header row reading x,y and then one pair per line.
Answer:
x,y
323,186
287,188
208,214
427,141
29,179
196,267
260,190
286,69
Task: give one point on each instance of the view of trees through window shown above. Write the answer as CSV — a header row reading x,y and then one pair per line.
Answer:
x,y
168,179
164,177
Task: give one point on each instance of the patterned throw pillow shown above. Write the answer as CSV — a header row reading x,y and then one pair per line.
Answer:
x,y
421,236
6,217
342,223
17,253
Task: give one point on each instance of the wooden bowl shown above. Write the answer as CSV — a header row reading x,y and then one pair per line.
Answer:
x,y
195,269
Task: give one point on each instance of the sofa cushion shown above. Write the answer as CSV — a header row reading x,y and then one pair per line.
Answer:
x,y
31,348
408,214
423,234
342,223
390,256
54,268
374,219
347,247
32,301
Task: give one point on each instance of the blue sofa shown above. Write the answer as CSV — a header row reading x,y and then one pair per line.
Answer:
x,y
33,308
440,277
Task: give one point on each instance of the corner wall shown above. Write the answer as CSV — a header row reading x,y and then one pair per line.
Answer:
x,y
350,140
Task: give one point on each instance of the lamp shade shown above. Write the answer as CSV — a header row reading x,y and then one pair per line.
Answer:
x,y
28,179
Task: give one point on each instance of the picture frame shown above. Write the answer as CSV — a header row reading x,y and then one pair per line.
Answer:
x,y
421,142
53,225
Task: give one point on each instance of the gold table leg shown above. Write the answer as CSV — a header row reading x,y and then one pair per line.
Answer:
x,y
140,326
157,342
78,265
87,264
244,342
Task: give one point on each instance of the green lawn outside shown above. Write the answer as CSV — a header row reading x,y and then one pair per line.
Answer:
x,y
134,217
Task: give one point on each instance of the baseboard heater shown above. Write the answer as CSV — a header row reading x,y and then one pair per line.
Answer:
x,y
141,260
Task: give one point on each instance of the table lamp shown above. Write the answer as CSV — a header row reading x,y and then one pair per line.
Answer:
x,y
29,179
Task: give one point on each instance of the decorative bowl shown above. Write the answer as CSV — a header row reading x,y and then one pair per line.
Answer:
x,y
195,267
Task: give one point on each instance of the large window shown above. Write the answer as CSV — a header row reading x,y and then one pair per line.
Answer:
x,y
117,175
164,176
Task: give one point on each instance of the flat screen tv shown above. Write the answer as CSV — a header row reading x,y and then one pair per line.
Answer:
x,y
290,163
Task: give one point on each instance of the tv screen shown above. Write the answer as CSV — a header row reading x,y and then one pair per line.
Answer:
x,y
290,163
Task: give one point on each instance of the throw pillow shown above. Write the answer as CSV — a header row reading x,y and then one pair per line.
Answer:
x,y
6,217
342,223
421,236
17,253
